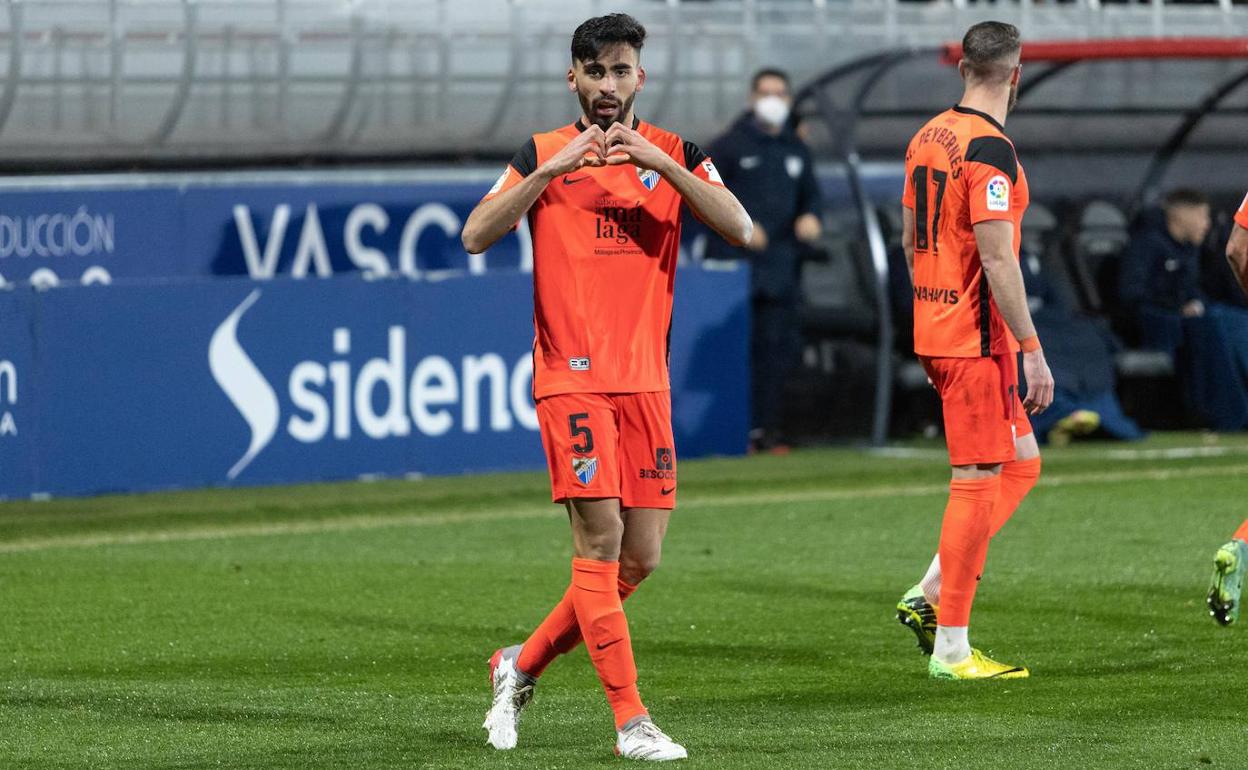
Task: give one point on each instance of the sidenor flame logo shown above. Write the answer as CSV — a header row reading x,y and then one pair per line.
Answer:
x,y
243,384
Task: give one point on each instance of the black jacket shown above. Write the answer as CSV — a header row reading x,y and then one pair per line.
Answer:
x,y
774,178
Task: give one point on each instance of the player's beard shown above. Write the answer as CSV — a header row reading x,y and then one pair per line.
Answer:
x,y
1013,99
590,109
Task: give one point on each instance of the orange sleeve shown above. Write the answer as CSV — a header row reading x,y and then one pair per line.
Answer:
x,y
700,164
707,172
509,179
991,171
1241,216
522,164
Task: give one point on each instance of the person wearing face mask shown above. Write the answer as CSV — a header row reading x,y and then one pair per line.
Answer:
x,y
1159,290
770,170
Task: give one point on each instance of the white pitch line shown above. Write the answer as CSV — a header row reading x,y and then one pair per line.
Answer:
x,y
1122,455
367,522
1174,453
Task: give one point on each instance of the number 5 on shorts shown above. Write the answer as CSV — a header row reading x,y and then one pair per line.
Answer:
x,y
587,444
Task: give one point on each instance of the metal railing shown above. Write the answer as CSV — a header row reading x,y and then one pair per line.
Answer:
x,y
124,80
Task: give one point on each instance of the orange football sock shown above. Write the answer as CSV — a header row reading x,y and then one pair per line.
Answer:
x,y
1017,479
557,634
600,613
1242,532
964,536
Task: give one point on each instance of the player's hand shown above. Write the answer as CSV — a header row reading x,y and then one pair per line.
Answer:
x,y
624,145
758,239
1039,382
589,148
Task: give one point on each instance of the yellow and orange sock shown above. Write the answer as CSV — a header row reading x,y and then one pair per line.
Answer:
x,y
1017,479
1242,532
964,536
557,634
600,614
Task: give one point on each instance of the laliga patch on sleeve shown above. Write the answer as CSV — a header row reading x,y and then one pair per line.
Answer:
x,y
712,173
998,192
501,181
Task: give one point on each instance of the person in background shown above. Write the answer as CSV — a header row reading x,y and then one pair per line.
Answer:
x,y
769,168
1080,353
1159,285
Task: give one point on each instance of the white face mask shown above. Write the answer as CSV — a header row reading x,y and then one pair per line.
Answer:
x,y
772,110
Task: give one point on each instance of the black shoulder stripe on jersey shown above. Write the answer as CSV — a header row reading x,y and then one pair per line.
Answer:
x,y
996,152
985,317
693,155
525,161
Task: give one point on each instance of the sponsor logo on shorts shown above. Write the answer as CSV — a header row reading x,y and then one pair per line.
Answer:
x,y
664,464
667,490
663,459
578,364
998,194
585,469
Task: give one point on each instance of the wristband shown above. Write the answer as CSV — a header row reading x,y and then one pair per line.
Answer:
x,y
1031,344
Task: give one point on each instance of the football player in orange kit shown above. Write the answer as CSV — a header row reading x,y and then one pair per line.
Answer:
x,y
963,204
603,198
1231,560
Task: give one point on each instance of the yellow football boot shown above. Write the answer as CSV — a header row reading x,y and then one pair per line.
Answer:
x,y
975,666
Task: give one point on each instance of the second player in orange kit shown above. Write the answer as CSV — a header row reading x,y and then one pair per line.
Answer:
x,y
963,203
1230,562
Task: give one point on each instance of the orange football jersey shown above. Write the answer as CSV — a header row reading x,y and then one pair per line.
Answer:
x,y
960,170
605,242
1241,216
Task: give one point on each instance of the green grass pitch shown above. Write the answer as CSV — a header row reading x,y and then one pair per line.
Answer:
x,y
348,625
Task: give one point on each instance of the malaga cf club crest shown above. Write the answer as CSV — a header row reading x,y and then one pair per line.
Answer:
x,y
585,469
649,177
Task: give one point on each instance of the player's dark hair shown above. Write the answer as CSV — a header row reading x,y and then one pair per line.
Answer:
x,y
988,47
769,72
1185,196
601,31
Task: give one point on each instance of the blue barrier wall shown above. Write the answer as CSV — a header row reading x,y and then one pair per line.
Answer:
x,y
120,229
206,361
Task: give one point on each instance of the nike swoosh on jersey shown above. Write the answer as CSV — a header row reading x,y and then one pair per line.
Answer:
x,y
570,180
666,491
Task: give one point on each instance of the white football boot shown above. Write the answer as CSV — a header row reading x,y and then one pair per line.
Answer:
x,y
511,695
642,739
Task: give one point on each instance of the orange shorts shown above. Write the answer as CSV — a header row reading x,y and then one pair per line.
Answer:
x,y
983,415
610,445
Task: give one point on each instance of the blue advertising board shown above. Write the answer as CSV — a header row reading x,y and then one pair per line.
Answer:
x,y
148,385
118,229
262,225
